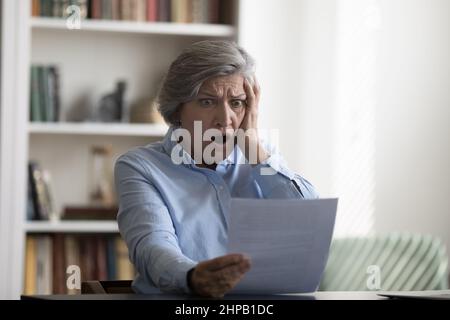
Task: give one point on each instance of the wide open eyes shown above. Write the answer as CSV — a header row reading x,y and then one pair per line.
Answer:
x,y
238,103
206,102
235,103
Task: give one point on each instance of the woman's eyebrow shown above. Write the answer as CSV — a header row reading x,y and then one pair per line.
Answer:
x,y
213,95
207,94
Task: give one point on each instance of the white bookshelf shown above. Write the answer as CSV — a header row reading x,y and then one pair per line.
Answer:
x,y
98,129
90,61
71,227
159,28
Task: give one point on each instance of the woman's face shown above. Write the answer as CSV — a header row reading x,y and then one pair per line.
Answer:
x,y
220,104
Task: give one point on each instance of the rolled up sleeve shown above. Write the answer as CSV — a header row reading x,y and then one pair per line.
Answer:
x,y
145,224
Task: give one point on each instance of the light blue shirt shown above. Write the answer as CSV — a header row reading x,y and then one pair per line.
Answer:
x,y
174,216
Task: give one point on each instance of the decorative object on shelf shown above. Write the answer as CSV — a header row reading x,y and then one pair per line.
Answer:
x,y
101,175
90,213
145,111
112,106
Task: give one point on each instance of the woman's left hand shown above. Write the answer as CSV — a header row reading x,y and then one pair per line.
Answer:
x,y
250,125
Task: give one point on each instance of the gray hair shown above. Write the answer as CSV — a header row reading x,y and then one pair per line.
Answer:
x,y
199,62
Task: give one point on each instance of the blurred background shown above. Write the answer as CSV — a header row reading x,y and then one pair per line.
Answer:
x,y
357,89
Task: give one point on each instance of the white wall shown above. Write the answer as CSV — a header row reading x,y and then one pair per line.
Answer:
x,y
413,118
298,47
265,33
293,45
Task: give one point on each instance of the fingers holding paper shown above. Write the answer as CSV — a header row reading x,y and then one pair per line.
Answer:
x,y
215,277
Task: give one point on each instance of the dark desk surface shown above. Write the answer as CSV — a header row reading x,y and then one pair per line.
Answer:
x,y
328,295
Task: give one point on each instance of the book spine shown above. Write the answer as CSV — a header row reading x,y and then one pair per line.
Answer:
x,y
57,9
54,72
87,258
96,8
30,266
197,11
31,214
35,99
41,191
72,256
48,199
84,8
106,10
125,8
175,11
43,103
32,173
44,265
227,11
188,11
125,270
152,10
115,9
59,264
36,8
111,258
101,259
46,8
213,11
50,95
164,10
141,10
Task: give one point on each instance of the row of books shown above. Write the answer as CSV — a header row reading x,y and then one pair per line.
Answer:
x,y
180,11
99,257
44,93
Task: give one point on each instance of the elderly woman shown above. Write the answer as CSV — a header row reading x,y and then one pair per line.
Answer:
x,y
173,214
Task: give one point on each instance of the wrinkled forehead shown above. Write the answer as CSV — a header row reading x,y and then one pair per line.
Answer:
x,y
230,85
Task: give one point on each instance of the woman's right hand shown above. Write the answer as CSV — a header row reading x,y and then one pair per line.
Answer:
x,y
213,278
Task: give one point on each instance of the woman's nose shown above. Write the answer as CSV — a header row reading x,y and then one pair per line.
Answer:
x,y
223,116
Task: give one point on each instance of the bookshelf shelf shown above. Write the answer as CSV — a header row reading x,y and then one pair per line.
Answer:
x,y
100,129
71,226
159,28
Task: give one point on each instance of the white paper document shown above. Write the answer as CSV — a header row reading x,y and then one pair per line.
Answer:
x,y
288,242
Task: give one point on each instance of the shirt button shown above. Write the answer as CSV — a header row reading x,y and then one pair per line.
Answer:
x,y
221,188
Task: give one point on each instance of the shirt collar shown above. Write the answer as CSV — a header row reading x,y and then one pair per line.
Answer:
x,y
168,144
